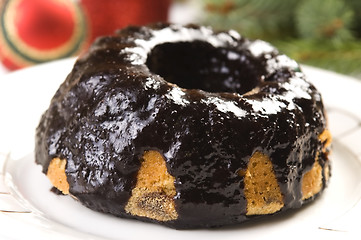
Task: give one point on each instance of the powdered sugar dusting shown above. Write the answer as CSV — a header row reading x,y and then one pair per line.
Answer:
x,y
151,83
177,96
225,106
176,33
135,54
272,105
232,56
234,34
280,61
267,106
259,47
297,87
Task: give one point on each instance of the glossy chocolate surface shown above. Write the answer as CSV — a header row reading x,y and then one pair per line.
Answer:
x,y
121,99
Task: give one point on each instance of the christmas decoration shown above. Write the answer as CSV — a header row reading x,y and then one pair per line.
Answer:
x,y
324,33
35,31
107,15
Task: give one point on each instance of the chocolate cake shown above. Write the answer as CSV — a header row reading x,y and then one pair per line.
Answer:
x,y
187,127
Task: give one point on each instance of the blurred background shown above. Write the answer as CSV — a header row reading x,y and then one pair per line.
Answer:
x,y
325,34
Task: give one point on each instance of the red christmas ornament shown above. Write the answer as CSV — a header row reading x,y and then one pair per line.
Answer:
x,y
52,33
108,15
34,31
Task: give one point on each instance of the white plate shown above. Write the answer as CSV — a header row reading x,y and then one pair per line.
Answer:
x,y
25,94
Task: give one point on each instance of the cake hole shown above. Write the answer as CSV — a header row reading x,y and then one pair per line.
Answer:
x,y
200,65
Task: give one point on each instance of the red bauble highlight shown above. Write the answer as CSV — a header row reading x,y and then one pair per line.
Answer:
x,y
44,24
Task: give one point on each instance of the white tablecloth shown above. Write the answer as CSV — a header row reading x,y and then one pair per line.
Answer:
x,y
2,71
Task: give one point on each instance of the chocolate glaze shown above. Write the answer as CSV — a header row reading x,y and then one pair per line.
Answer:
x,y
117,102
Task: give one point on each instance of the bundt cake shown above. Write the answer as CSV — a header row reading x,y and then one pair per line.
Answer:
x,y
187,127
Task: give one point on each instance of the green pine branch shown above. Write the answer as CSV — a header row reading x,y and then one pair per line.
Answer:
x,y
344,59
325,33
